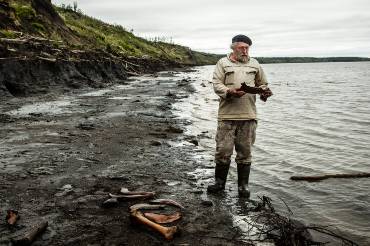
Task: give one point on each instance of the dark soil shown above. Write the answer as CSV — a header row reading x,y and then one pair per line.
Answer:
x,y
60,166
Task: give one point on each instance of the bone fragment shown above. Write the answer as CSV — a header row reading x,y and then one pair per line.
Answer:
x,y
145,206
167,232
163,218
167,202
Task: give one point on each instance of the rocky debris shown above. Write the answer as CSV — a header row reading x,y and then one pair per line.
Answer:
x,y
173,129
170,94
193,140
66,189
206,202
11,217
159,134
183,82
42,171
155,143
86,125
5,118
31,234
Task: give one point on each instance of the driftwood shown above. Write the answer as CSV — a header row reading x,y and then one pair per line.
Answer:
x,y
327,176
265,223
30,236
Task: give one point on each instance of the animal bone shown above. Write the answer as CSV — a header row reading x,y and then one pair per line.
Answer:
x,y
145,206
125,191
167,202
133,196
110,202
162,218
167,232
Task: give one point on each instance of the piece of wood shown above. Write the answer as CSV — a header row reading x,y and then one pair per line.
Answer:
x,y
327,176
30,236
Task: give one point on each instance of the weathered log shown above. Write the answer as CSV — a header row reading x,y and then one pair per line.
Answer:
x,y
30,236
327,176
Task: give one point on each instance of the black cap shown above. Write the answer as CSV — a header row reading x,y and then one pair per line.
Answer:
x,y
242,38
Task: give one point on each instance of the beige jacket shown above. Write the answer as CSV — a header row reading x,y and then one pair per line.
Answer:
x,y
230,74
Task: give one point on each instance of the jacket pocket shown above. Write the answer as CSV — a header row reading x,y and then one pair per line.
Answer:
x,y
229,76
250,75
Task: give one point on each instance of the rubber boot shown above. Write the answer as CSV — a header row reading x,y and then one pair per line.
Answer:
x,y
221,172
243,179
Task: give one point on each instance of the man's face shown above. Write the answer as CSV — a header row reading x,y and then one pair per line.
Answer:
x,y
241,51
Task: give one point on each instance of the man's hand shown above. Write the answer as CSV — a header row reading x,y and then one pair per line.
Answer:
x,y
265,94
235,93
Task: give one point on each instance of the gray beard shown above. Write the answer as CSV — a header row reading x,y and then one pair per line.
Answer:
x,y
241,58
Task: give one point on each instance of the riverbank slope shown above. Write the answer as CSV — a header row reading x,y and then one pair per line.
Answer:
x,y
44,49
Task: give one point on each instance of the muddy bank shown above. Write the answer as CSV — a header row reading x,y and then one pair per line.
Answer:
x,y
60,156
31,66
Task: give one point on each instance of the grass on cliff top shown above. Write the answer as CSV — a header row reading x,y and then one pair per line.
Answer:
x,y
95,33
84,32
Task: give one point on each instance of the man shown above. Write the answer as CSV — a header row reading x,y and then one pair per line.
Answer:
x,y
237,118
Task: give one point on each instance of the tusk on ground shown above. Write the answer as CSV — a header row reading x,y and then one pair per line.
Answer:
x,y
163,218
133,196
167,202
145,206
167,232
125,191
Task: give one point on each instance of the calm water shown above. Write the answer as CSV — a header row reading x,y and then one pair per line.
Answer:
x,y
317,122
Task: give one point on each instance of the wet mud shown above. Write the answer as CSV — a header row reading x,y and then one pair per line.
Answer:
x,y
61,155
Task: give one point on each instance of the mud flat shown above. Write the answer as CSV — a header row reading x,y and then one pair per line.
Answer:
x,y
60,156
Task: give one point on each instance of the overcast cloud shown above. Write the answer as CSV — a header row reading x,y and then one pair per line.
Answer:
x,y
277,28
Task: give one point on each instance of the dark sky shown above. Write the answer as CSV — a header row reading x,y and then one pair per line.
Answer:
x,y
277,28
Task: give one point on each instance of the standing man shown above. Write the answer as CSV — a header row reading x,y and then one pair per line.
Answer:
x,y
237,116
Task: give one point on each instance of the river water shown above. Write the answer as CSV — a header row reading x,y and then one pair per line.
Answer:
x,y
317,122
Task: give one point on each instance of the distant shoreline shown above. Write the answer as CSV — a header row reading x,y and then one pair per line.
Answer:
x,y
297,59
310,59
